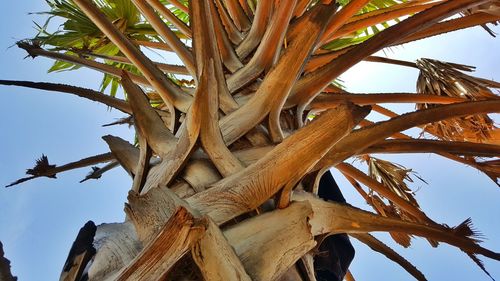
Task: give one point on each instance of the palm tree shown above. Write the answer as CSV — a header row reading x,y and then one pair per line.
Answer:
x,y
231,146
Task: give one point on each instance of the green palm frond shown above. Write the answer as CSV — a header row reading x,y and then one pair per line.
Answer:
x,y
114,82
183,16
374,4
347,41
75,30
366,33
78,34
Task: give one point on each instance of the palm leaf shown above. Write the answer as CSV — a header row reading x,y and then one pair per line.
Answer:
x,y
448,79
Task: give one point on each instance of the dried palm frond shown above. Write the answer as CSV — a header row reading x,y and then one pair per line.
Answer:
x,y
379,246
384,209
447,79
466,229
390,211
129,120
393,176
491,168
489,8
41,167
44,169
96,172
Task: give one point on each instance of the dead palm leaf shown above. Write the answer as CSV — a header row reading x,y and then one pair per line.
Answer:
x,y
448,79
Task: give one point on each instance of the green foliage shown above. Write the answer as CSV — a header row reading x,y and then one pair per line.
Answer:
x,y
77,30
78,35
62,65
374,4
364,34
345,42
177,12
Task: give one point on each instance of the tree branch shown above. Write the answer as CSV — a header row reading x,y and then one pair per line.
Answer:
x,y
287,162
81,92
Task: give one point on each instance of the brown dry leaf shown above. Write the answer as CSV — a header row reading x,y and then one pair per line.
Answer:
x,y
393,176
390,211
448,79
489,8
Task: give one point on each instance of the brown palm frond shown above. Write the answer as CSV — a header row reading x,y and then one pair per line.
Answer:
x,y
41,167
428,146
97,172
491,168
466,229
44,169
489,8
448,79
129,120
487,167
393,176
479,263
78,91
380,247
451,25
369,222
390,211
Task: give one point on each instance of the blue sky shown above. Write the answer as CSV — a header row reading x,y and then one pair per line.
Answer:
x,y
40,219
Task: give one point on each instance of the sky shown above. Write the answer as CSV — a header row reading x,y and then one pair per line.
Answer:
x,y
39,219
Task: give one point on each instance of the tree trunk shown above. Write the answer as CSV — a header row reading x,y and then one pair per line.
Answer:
x,y
226,172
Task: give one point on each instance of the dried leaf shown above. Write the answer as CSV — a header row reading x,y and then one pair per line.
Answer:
x,y
393,176
448,79
41,167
